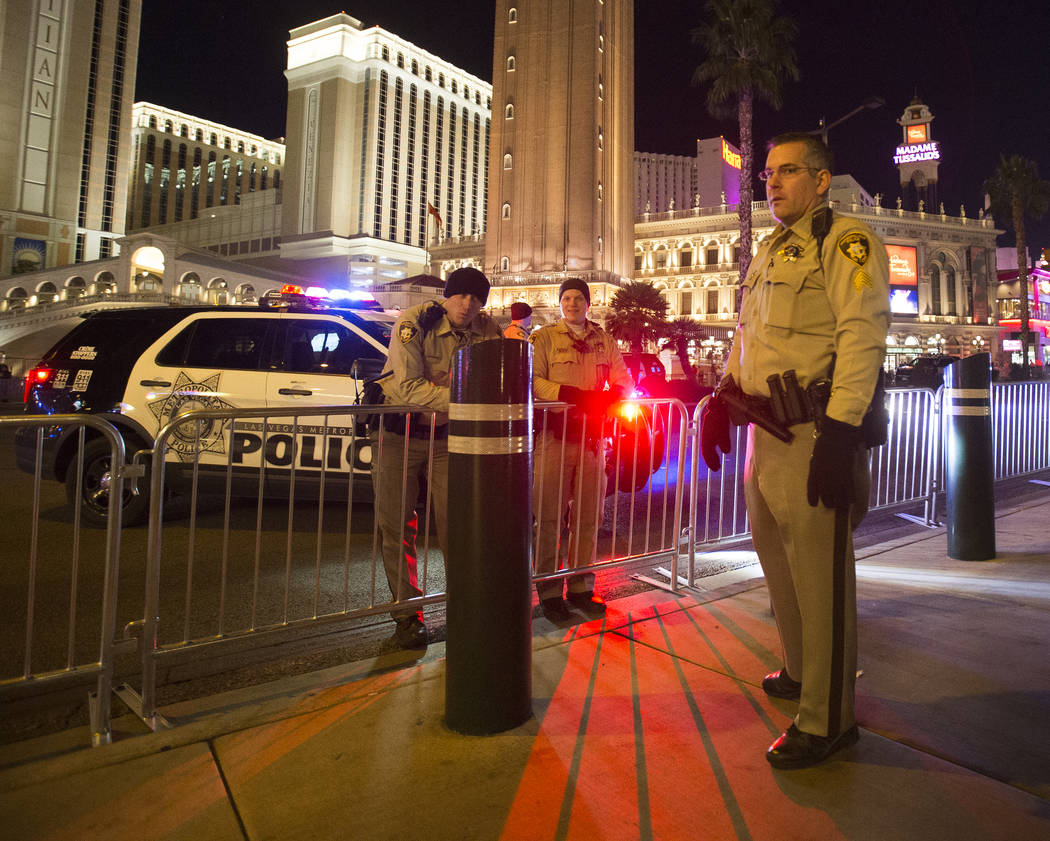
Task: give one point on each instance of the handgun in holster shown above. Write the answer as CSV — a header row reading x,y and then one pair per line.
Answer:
x,y
744,409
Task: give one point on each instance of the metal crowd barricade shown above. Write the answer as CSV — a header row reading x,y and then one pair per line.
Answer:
x,y
269,591
74,670
642,524
1020,428
907,468
904,472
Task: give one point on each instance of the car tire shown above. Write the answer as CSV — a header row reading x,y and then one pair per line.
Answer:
x,y
94,492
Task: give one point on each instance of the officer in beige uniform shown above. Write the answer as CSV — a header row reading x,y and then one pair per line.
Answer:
x,y
816,302
573,361
417,372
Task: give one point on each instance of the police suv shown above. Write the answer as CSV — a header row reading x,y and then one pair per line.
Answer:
x,y
140,368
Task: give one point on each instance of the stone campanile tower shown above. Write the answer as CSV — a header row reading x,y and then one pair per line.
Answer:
x,y
562,145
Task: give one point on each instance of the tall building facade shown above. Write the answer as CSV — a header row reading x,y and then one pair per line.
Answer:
x,y
385,140
184,165
677,182
68,71
560,172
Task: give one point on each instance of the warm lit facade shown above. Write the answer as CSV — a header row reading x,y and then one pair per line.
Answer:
x,y
942,270
378,130
68,73
184,165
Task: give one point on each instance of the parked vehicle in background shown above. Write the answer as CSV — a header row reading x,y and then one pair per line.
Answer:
x,y
923,371
141,367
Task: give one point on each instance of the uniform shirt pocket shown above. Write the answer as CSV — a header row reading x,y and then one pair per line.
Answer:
x,y
795,301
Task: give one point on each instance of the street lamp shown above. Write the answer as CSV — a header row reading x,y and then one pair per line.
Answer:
x,y
870,102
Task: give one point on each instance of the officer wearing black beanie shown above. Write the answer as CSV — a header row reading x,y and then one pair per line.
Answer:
x,y
424,340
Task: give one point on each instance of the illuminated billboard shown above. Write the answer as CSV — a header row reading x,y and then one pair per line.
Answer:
x,y
904,300
903,265
917,134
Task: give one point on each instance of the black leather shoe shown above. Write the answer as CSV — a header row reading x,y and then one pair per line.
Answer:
x,y
587,602
555,609
410,632
797,749
779,685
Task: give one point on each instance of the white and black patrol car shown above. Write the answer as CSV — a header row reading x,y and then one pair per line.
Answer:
x,y
140,368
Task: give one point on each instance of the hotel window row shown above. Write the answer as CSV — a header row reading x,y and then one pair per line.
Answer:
x,y
425,150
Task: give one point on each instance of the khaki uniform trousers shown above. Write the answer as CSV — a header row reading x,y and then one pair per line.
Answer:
x,y
579,485
815,608
396,503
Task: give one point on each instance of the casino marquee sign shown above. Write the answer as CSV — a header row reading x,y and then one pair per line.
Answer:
x,y
913,152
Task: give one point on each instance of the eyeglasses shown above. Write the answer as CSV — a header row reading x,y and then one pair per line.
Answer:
x,y
785,171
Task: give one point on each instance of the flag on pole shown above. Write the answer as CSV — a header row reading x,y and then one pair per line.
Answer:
x,y
433,211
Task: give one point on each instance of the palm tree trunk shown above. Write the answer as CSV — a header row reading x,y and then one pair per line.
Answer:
x,y
745,110
1022,279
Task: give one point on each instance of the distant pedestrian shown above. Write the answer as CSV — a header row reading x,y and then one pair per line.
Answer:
x,y
520,321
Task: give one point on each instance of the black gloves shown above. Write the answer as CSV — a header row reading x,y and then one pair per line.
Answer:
x,y
831,479
714,432
570,394
590,402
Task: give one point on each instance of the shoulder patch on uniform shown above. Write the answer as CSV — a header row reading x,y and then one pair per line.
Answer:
x,y
854,246
407,332
861,280
532,338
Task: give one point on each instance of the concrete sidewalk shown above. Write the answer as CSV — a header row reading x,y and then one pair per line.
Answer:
x,y
649,725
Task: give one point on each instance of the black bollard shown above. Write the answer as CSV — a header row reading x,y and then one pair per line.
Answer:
x,y
488,680
968,465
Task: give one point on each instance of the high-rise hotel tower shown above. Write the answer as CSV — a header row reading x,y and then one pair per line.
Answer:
x,y
68,71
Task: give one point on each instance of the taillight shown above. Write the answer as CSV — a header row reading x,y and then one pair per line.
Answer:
x,y
37,376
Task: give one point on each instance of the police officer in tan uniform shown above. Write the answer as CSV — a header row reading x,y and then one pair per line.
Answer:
x,y
573,361
816,302
419,365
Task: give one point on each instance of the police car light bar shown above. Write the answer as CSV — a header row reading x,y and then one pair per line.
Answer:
x,y
291,294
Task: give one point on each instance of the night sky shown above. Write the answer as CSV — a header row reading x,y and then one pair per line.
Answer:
x,y
989,95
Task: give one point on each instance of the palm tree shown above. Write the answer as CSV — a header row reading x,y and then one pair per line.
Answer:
x,y
678,333
639,313
1015,191
749,52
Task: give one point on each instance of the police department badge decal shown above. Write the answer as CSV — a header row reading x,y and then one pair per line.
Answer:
x,y
790,253
855,247
406,332
187,395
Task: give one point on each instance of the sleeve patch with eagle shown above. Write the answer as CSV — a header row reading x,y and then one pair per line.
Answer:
x,y
407,332
854,246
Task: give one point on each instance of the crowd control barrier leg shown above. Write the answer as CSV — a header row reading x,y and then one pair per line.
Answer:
x,y
489,612
968,465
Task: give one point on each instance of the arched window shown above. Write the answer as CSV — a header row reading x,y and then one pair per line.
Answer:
x,y
601,87
508,161
168,127
601,191
441,80
510,63
401,60
240,146
504,264
455,86
198,135
184,130
599,245
386,53
415,67
428,74
512,16
949,289
508,112
935,290
711,254
601,43
601,140
506,210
